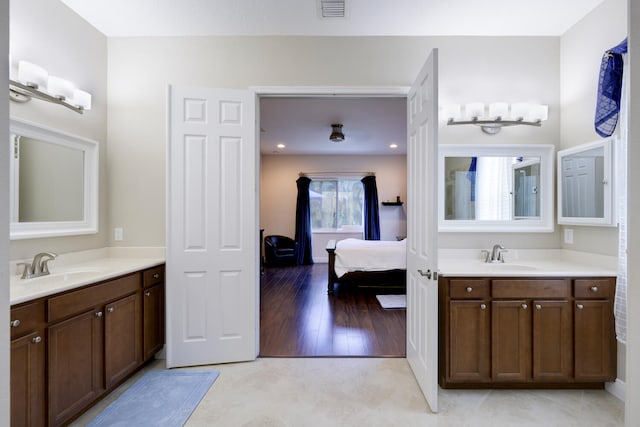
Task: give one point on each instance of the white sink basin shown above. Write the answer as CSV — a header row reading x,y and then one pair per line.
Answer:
x,y
67,276
499,266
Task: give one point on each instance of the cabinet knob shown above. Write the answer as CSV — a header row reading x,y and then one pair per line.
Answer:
x,y
147,294
36,340
483,306
99,314
579,306
524,306
15,323
594,289
156,276
469,289
538,307
110,309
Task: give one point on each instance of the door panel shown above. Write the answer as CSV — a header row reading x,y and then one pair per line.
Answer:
x,y
422,284
212,258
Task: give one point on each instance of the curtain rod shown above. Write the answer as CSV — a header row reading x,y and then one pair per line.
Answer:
x,y
329,174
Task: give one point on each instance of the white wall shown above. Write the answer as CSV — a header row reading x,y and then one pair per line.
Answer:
x,y
471,68
278,190
632,409
4,218
581,50
47,33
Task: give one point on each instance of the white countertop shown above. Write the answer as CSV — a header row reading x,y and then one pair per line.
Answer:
x,y
73,270
526,263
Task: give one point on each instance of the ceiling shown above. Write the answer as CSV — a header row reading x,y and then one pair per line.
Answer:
x,y
123,18
304,125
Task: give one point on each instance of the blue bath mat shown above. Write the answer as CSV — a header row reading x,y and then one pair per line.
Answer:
x,y
159,398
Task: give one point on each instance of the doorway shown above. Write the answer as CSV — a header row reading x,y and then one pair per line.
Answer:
x,y
298,318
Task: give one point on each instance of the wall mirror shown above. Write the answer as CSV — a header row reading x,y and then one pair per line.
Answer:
x,y
53,182
495,188
585,184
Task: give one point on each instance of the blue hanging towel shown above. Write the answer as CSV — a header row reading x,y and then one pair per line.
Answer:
x,y
609,90
471,176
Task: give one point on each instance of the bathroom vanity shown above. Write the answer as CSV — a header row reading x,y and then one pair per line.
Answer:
x,y
525,326
78,334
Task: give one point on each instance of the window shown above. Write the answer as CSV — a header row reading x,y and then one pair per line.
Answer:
x,y
336,203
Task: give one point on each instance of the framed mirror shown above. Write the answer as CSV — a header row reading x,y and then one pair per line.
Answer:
x,y
53,182
495,188
585,184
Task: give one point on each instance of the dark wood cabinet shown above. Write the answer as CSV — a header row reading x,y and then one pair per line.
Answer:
x,y
510,341
595,344
122,338
76,363
470,343
153,320
552,340
516,332
27,374
28,380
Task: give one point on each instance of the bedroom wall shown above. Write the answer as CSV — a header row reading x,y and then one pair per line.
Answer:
x,y
581,50
49,34
471,68
278,189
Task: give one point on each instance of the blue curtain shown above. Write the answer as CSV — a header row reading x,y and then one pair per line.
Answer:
x,y
303,222
371,212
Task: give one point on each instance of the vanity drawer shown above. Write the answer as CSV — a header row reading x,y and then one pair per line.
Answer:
x,y
153,276
531,288
93,296
469,288
26,318
602,288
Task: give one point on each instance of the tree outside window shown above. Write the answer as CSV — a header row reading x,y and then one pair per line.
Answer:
x,y
336,203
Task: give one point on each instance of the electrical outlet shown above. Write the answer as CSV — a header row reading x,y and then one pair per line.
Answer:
x,y
118,234
568,236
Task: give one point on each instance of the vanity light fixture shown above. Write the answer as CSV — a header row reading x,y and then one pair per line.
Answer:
x,y
35,82
498,115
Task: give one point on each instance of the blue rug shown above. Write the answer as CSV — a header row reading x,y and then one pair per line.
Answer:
x,y
159,398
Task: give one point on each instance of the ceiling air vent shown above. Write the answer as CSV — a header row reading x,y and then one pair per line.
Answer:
x,y
332,8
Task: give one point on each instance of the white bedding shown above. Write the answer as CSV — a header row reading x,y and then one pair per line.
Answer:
x,y
370,255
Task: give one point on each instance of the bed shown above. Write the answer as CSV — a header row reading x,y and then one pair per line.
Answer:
x,y
367,263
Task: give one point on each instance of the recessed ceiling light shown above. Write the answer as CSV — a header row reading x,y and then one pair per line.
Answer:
x,y
393,145
281,146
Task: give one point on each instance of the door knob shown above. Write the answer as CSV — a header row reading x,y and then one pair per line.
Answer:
x,y
426,274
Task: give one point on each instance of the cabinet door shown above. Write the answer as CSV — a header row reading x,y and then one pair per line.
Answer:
x,y
122,338
75,365
552,341
469,356
510,340
28,380
153,320
595,346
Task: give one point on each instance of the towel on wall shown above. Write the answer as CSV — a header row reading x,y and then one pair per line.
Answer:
x,y
609,90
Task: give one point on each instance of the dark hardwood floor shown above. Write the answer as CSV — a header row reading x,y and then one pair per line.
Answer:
x,y
299,319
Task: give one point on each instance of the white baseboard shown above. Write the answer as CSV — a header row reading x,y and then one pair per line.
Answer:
x,y
617,388
320,260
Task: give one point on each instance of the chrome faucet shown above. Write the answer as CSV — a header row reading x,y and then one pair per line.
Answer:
x,y
39,266
495,255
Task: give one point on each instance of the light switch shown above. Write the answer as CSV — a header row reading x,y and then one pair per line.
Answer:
x,y
118,234
568,236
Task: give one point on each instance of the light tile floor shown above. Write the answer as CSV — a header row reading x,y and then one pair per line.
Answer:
x,y
303,392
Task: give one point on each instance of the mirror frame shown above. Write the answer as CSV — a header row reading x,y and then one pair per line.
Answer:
x,y
544,224
89,223
609,217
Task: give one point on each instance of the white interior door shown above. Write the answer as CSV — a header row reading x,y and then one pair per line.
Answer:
x,y
212,227
422,222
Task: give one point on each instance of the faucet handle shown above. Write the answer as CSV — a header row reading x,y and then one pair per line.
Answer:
x,y
486,254
45,266
500,256
26,272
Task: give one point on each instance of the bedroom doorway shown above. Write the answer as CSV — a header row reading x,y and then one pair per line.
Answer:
x,y
298,318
